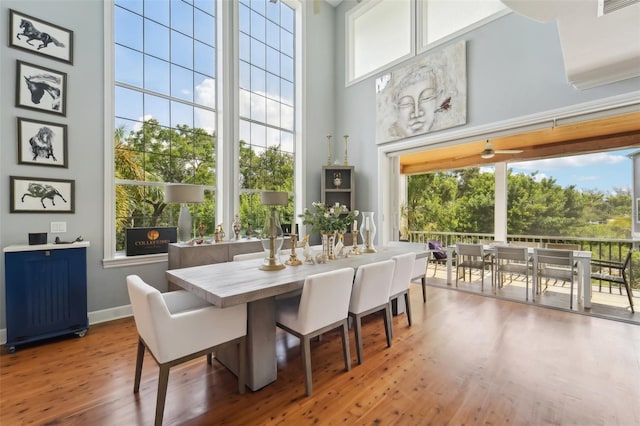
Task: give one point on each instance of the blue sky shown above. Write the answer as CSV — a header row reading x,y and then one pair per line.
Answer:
x,y
603,171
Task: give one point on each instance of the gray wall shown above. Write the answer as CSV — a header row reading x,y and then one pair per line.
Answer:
x,y
514,69
85,112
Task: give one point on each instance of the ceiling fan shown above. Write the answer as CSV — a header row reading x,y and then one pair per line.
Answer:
x,y
489,152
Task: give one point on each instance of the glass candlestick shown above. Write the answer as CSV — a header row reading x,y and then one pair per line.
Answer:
x,y
368,231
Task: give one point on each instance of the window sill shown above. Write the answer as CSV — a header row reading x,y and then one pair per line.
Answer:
x,y
121,261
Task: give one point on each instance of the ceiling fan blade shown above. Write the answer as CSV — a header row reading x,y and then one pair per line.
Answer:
x,y
508,151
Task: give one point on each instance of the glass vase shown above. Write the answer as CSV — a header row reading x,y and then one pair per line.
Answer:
x,y
272,238
368,231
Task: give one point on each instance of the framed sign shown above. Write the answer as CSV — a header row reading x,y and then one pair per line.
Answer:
x,y
41,143
40,37
141,241
41,89
39,195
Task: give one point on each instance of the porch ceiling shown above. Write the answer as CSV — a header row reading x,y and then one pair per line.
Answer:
x,y
618,132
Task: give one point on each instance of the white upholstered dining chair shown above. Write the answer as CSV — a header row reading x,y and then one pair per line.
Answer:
x,y
177,327
370,294
402,273
322,306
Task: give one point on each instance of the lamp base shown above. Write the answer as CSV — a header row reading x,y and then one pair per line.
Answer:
x,y
184,224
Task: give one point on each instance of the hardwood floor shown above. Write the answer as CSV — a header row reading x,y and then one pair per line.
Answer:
x,y
467,359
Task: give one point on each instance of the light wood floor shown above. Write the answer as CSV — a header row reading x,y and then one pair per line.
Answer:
x,y
467,359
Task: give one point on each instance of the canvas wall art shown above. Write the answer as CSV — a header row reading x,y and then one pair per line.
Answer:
x,y
427,95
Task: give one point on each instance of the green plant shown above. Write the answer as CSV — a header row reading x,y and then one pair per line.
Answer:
x,y
333,218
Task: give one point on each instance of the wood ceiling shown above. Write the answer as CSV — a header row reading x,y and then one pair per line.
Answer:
x,y
606,134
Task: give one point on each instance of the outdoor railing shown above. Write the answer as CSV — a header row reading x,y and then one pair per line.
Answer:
x,y
601,248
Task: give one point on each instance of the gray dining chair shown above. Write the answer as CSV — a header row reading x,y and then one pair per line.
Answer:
x,y
471,256
556,264
322,306
512,260
370,294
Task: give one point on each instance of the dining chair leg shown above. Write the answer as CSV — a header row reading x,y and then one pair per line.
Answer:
x,y
391,326
163,383
139,359
571,297
357,329
387,324
345,345
424,289
406,302
306,363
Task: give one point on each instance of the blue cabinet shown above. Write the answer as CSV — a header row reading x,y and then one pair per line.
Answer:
x,y
46,292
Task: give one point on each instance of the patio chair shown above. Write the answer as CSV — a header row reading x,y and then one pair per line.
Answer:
x,y
512,260
471,256
555,264
614,273
438,254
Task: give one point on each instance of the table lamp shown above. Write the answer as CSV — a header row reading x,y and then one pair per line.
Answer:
x,y
274,236
184,193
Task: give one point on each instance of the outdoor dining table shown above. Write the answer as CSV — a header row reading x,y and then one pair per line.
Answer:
x,y
582,258
231,283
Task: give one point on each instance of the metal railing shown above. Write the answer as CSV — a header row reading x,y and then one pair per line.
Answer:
x,y
601,248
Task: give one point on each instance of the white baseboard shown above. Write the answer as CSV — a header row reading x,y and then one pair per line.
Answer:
x,y
95,317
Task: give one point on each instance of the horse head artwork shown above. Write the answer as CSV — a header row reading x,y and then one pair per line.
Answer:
x,y
42,144
31,33
39,84
38,190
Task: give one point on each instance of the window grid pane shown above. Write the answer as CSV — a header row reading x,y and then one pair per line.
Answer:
x,y
165,108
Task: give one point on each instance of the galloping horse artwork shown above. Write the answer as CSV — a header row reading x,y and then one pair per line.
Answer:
x,y
44,192
30,32
36,195
40,37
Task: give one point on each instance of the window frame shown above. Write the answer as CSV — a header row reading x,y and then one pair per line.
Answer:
x,y
227,122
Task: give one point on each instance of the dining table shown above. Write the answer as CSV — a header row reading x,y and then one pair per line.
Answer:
x,y
582,258
232,283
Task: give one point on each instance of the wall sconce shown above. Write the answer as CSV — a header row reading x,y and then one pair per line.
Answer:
x,y
274,236
184,193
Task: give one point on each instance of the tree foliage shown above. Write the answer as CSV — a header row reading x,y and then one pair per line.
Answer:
x,y
463,201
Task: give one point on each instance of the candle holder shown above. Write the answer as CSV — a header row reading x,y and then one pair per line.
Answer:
x,y
293,257
368,231
329,149
355,250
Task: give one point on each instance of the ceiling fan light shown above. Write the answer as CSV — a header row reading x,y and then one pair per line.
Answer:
x,y
487,155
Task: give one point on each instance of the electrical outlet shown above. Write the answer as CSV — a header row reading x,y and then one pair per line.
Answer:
x,y
58,227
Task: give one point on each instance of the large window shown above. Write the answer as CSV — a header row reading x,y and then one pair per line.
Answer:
x,y
165,108
266,94
168,67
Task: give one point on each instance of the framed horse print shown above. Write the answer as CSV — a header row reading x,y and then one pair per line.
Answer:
x,y
38,195
40,37
41,89
41,143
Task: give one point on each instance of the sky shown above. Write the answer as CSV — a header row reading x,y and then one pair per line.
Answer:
x,y
604,171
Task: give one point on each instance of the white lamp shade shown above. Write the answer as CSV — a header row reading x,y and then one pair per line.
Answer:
x,y
183,193
274,198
